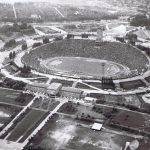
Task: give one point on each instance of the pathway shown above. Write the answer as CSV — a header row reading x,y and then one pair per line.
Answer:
x,y
62,101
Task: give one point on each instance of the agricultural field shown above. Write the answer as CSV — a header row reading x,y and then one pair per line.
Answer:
x,y
26,126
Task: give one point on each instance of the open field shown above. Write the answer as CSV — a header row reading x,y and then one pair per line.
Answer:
x,y
122,54
47,104
128,100
6,11
14,97
51,12
132,84
133,120
65,133
46,30
63,82
7,113
27,123
84,27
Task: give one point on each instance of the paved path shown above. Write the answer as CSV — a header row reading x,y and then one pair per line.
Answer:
x,y
14,10
62,101
19,114
59,12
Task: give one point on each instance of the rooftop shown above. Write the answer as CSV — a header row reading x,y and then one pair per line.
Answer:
x,y
55,86
71,89
97,126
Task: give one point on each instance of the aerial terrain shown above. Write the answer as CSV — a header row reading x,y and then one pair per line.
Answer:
x,y
75,75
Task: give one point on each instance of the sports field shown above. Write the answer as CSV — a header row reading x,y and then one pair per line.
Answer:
x,y
84,58
84,66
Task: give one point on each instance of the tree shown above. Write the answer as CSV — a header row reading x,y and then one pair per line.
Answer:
x,y
36,44
26,70
45,40
69,36
24,46
84,35
58,38
132,38
23,26
10,55
10,43
13,54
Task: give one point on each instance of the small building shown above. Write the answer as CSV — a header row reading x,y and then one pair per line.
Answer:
x,y
146,101
53,89
37,87
71,92
97,126
89,99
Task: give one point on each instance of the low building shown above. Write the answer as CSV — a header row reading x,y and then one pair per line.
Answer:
x,y
71,92
53,89
37,87
89,99
146,101
97,126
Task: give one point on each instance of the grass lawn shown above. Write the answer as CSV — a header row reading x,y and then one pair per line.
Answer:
x,y
28,122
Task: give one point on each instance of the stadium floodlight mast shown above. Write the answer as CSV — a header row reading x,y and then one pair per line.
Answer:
x,y
103,69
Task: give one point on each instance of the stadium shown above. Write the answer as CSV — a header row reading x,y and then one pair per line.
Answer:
x,y
83,59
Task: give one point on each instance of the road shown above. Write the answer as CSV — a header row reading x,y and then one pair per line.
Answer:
x,y
59,12
14,10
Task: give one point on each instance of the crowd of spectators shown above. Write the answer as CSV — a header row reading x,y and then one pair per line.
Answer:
x,y
123,54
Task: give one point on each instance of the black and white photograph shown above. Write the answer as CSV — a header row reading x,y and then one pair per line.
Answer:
x,y
74,74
